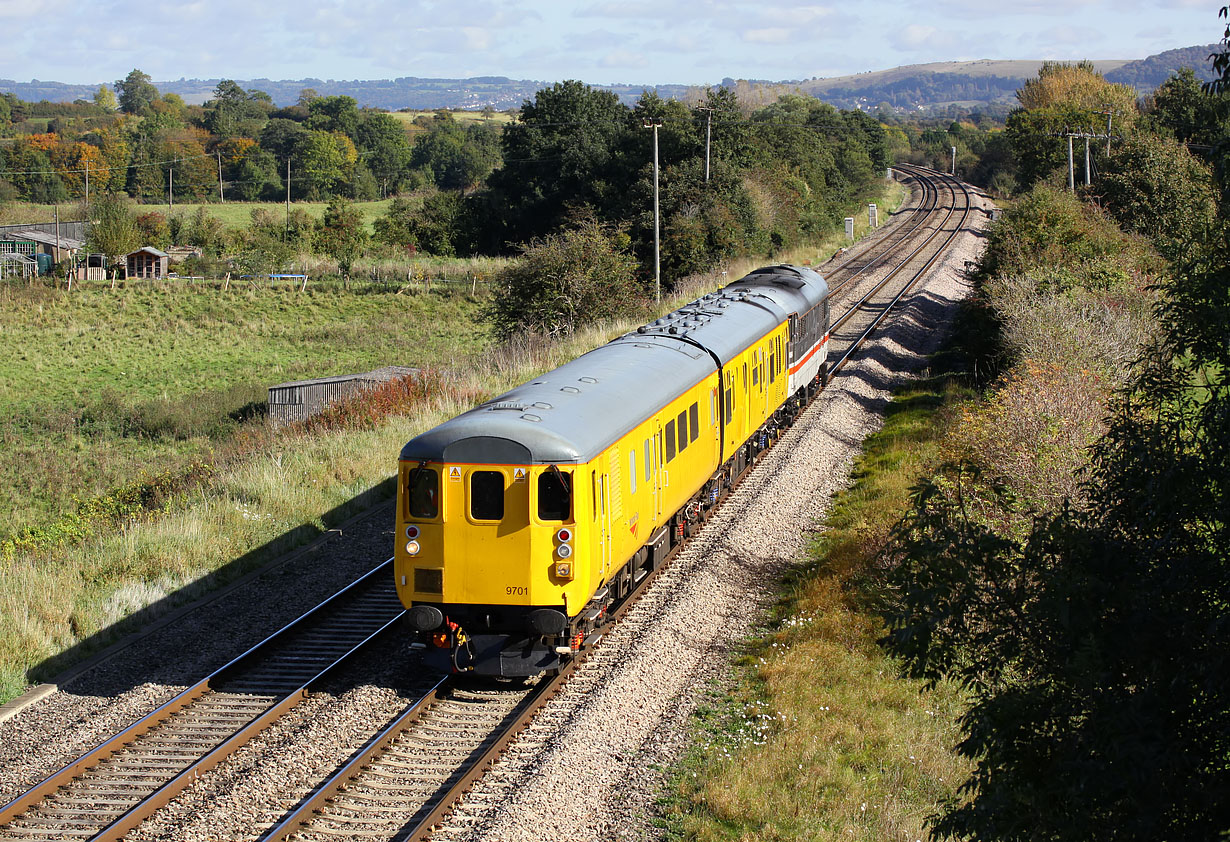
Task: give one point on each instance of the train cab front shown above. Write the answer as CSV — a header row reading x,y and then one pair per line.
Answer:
x,y
485,564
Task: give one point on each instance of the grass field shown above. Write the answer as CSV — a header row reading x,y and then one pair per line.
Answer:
x,y
104,385
231,214
499,118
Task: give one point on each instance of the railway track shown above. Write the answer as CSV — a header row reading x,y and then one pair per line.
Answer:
x,y
406,779
114,787
394,788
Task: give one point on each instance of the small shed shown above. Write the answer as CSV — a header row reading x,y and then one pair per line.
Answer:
x,y
147,262
299,400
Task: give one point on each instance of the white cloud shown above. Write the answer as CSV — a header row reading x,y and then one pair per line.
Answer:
x,y
771,35
623,59
916,37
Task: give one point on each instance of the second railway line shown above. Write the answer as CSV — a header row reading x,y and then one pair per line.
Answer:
x,y
459,827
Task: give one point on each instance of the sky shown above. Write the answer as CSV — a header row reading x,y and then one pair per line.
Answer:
x,y
597,41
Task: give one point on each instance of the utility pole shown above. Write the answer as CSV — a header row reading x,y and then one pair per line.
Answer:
x,y
287,237
656,124
87,187
1071,156
1071,176
708,135
171,186
221,196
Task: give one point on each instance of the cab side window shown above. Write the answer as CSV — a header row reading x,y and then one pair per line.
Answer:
x,y
487,495
423,489
554,495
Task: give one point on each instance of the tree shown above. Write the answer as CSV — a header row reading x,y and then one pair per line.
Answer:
x,y
325,161
563,152
104,98
579,275
1182,107
136,92
455,157
334,114
1155,187
113,226
385,148
342,234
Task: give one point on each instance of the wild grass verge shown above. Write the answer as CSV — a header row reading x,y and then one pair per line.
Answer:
x,y
818,737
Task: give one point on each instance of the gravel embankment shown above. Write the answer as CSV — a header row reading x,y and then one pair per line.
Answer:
x,y
50,733
585,769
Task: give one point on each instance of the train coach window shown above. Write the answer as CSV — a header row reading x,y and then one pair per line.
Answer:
x,y
632,471
670,440
648,462
423,487
693,422
554,495
682,427
487,495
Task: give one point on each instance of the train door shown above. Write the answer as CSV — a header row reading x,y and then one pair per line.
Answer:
x,y
747,404
791,341
653,472
764,366
604,523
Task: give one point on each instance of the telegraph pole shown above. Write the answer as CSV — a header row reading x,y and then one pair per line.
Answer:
x,y
221,195
1071,176
708,135
1071,156
656,124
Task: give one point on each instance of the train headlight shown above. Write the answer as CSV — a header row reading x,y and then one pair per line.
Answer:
x,y
563,569
564,551
412,532
412,548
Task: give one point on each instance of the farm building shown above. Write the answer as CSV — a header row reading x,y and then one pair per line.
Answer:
x,y
35,241
147,262
301,399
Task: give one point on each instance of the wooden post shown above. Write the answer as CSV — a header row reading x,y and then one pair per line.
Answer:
x,y
221,195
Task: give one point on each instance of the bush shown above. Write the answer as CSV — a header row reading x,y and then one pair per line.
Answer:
x,y
580,275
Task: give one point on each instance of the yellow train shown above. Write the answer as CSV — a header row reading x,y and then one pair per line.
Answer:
x,y
522,521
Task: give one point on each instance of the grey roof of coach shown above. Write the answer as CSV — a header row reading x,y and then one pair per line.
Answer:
x,y
573,413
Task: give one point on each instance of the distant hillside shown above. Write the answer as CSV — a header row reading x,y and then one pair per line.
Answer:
x,y
1148,73
411,92
939,87
975,85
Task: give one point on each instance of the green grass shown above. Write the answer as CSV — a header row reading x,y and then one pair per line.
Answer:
x,y
407,118
818,737
231,214
102,385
